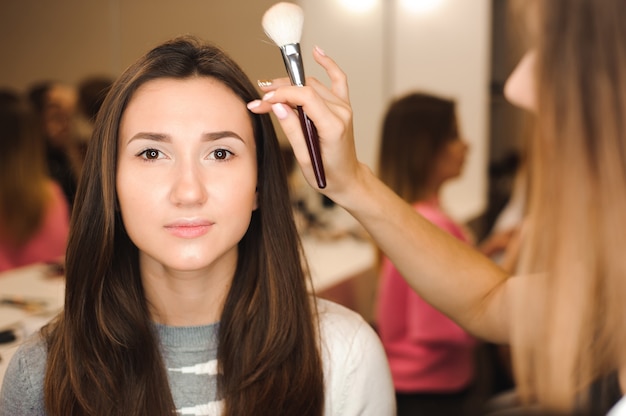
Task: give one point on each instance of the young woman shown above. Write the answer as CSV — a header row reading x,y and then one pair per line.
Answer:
x,y
564,318
55,106
34,216
431,357
185,289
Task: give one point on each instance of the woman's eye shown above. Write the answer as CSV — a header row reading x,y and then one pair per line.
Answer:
x,y
220,154
150,154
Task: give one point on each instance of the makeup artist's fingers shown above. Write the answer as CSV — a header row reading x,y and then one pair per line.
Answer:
x,y
326,93
338,78
331,116
330,111
333,120
290,124
267,85
272,85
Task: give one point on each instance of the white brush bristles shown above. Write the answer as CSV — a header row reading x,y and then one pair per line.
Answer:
x,y
283,23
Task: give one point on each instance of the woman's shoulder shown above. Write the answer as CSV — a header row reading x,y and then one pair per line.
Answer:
x,y
329,310
619,409
31,355
22,387
337,321
356,372
346,337
432,212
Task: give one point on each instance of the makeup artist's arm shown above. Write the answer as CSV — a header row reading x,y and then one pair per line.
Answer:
x,y
455,278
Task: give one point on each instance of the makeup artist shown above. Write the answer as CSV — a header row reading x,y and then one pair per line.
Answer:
x,y
564,318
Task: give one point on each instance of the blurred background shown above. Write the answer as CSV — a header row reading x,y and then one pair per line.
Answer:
x,y
457,48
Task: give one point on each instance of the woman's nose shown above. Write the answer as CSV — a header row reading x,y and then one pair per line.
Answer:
x,y
189,187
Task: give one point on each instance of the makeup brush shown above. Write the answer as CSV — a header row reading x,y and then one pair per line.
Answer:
x,y
283,24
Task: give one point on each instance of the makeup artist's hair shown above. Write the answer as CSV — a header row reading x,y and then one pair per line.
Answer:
x,y
24,183
573,332
415,129
103,353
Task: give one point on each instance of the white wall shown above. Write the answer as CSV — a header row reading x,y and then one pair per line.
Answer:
x,y
389,50
356,42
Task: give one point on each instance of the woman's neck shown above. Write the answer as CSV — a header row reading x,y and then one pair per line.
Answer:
x,y
185,298
430,193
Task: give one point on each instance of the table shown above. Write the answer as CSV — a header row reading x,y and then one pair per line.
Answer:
x,y
332,261
30,283
343,268
344,271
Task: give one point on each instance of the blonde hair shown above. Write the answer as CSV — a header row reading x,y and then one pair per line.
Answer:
x,y
571,332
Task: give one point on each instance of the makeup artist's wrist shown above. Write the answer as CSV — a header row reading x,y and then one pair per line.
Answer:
x,y
351,190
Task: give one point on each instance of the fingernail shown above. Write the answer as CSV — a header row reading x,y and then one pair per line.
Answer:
x,y
264,83
268,96
280,111
253,104
320,50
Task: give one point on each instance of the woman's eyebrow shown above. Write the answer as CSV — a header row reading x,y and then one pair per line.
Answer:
x,y
157,137
160,137
221,134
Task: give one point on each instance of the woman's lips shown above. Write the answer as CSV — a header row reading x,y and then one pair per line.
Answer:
x,y
191,229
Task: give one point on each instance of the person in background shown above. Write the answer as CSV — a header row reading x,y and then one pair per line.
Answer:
x,y
563,316
432,359
502,244
185,287
91,93
34,216
55,104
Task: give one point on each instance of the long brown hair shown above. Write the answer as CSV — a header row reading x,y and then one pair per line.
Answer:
x,y
103,354
24,190
415,129
573,331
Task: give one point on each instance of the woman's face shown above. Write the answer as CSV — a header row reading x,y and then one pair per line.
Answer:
x,y
450,160
451,157
187,174
58,115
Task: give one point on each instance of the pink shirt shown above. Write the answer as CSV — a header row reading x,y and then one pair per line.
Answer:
x,y
427,352
48,243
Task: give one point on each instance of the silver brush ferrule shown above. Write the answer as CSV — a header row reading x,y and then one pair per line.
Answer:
x,y
293,63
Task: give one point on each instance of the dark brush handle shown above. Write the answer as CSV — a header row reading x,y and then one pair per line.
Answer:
x,y
313,144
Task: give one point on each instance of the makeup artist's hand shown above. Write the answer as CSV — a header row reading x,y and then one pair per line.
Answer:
x,y
330,111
